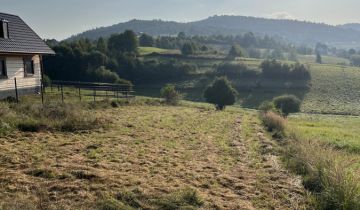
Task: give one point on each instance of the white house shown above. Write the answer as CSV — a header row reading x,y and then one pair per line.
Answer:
x,y
21,51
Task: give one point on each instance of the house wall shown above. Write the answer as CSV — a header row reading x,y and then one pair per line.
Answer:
x,y
26,85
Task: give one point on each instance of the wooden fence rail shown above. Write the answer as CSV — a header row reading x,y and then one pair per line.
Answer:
x,y
111,90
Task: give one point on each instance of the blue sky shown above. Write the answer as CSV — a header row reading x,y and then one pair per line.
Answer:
x,y
62,18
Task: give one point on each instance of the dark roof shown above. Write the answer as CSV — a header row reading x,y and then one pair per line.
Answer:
x,y
22,39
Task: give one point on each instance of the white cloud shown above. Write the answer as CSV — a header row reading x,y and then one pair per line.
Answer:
x,y
281,15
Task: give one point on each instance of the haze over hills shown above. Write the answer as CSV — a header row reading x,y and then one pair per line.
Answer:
x,y
292,30
354,26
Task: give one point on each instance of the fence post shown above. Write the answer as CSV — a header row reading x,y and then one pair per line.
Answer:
x,y
62,93
16,91
42,89
80,93
94,94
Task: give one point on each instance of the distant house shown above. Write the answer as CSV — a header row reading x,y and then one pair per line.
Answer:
x,y
21,51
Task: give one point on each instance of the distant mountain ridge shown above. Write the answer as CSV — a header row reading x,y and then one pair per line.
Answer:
x,y
291,30
354,26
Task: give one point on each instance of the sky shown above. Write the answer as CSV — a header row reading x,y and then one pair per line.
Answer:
x,y
60,19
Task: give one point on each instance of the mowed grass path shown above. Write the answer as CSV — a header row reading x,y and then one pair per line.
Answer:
x,y
149,151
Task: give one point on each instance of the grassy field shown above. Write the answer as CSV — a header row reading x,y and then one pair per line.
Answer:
x,y
325,59
338,131
148,157
325,151
333,89
148,50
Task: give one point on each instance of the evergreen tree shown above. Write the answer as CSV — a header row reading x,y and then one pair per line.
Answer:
x,y
146,40
187,49
318,57
235,51
220,93
101,45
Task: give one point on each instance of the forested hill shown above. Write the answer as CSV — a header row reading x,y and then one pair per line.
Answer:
x,y
354,26
291,30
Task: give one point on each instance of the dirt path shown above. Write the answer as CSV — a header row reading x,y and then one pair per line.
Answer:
x,y
259,178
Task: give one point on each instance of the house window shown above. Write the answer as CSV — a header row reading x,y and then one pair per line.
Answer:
x,y
28,67
4,29
3,73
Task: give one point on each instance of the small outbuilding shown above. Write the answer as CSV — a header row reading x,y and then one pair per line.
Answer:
x,y
21,52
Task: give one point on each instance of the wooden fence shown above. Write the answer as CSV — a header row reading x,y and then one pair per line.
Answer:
x,y
95,90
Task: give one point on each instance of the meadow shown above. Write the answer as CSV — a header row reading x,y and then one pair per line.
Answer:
x,y
333,89
146,155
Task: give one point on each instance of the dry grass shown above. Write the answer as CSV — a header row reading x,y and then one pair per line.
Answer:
x,y
145,159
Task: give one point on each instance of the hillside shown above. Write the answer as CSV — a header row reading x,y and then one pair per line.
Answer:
x,y
333,88
354,26
291,30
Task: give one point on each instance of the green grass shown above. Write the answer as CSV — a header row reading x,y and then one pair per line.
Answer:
x,y
147,156
149,50
340,131
325,59
333,89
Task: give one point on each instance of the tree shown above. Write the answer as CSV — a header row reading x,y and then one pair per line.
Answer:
x,y
287,104
318,58
146,41
187,49
235,51
181,35
220,93
101,45
355,60
125,42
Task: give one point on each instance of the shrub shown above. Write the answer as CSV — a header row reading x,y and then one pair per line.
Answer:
x,y
326,172
274,122
267,106
30,125
188,49
235,70
104,75
274,69
287,104
46,80
220,93
235,51
114,104
170,94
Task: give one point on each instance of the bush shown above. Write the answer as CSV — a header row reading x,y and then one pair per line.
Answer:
x,y
220,93
275,69
267,106
274,122
104,75
287,104
46,81
235,70
188,49
115,104
235,51
170,94
30,125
